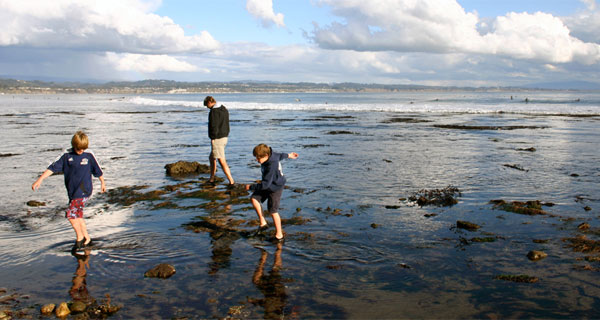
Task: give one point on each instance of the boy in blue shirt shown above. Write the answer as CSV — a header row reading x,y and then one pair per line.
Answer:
x,y
78,166
271,186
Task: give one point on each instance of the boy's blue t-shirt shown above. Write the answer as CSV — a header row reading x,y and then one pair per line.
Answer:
x,y
78,171
272,174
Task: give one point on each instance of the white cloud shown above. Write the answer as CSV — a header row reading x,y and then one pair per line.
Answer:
x,y
263,10
442,26
586,23
147,63
108,25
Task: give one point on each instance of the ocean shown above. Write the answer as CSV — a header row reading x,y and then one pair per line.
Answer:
x,y
358,243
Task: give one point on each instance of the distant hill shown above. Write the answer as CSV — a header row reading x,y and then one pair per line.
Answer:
x,y
170,86
565,85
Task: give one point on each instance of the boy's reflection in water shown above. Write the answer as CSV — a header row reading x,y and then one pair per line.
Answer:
x,y
271,285
79,290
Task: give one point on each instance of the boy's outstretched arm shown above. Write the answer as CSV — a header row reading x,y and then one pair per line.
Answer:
x,y
102,184
43,176
292,155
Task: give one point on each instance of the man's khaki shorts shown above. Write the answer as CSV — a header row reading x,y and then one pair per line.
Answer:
x,y
217,150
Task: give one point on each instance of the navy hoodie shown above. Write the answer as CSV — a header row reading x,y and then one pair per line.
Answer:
x,y
272,175
78,170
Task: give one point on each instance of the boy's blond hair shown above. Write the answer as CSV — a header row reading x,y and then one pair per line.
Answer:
x,y
79,141
261,150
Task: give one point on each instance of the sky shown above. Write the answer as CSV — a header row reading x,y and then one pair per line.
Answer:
x,y
425,42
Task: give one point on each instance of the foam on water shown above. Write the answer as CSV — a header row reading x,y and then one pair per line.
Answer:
x,y
492,103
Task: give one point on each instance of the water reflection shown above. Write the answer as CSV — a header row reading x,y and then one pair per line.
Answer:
x,y
221,250
271,285
79,291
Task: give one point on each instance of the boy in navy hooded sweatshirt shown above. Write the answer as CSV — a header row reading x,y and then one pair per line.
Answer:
x,y
271,186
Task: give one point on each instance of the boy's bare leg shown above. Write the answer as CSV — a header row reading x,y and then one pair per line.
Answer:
x,y
75,223
258,207
86,236
277,222
225,168
213,168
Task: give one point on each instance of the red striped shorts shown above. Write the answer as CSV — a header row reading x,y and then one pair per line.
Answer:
x,y
75,209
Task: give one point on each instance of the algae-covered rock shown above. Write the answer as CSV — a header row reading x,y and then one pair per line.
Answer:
x,y
77,307
186,167
467,225
535,255
437,197
517,278
531,208
162,270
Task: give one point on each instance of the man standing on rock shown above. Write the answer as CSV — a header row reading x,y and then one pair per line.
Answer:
x,y
218,131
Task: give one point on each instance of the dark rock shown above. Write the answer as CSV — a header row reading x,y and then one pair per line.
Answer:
x,y
185,168
437,197
515,166
374,225
340,132
535,255
587,208
404,120
517,278
467,225
34,203
162,270
532,149
465,127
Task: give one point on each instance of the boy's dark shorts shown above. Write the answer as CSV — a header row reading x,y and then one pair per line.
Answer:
x,y
274,198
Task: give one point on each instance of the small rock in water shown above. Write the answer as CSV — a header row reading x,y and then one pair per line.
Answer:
x,y
186,167
78,307
48,308
583,226
467,225
62,310
162,270
34,203
535,255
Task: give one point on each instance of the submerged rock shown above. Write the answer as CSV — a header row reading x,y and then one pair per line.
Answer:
x,y
162,270
517,278
77,307
186,167
529,208
467,225
535,255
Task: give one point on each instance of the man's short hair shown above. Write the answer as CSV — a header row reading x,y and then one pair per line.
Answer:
x,y
209,99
